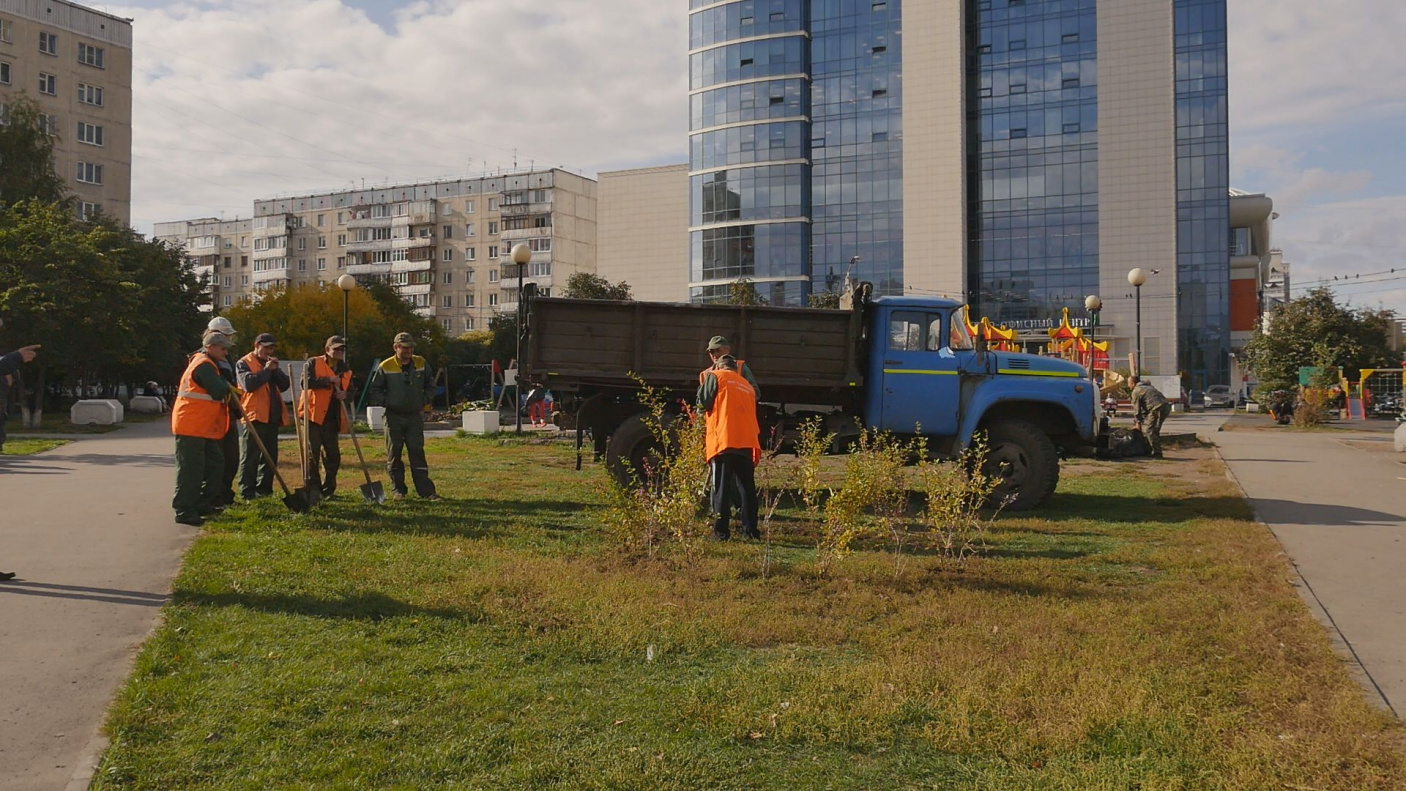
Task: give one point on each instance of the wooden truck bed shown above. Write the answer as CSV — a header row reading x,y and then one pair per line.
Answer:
x,y
799,355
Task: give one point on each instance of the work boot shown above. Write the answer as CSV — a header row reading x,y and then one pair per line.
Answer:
x,y
193,521
754,534
6,576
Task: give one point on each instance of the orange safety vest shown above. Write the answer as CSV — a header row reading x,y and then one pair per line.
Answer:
x,y
196,413
256,403
732,422
323,400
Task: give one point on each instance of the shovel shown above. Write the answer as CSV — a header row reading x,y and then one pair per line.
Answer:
x,y
296,503
371,491
310,495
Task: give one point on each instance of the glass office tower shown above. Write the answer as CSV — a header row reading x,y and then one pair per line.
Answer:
x,y
1032,159
795,153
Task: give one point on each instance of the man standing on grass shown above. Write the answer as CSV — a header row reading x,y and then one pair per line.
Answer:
x,y
729,403
200,420
329,379
9,364
403,385
719,347
229,443
1151,409
263,382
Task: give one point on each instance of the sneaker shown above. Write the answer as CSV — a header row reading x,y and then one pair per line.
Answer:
x,y
193,521
397,495
434,498
5,576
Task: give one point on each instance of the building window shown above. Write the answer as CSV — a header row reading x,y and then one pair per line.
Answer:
x,y
469,277
321,240
91,134
446,301
493,204
7,31
469,231
341,218
539,269
48,84
88,173
493,228
321,220
229,262
4,73
470,254
448,254
469,302
446,209
493,251
492,300
228,300
540,245
302,264
243,280
90,94
448,232
341,261
493,275
448,278
302,244
445,324
87,210
341,240
89,55
321,264
243,261
468,207
229,281
49,43
50,124
469,323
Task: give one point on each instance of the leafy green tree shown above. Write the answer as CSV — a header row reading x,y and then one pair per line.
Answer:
x,y
744,292
302,319
584,285
1315,331
27,156
825,299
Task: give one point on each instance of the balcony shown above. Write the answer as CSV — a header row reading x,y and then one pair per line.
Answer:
x,y
413,242
369,269
365,220
415,288
428,311
369,246
271,275
523,209
412,266
525,233
273,252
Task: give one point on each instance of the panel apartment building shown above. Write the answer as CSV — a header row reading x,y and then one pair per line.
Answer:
x,y
443,244
77,64
1020,154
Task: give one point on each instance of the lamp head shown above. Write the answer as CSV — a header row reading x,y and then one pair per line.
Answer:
x,y
346,283
1092,302
1136,277
521,254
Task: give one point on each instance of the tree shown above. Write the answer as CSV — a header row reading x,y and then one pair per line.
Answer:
x,y
744,292
302,319
825,299
584,285
1315,331
27,156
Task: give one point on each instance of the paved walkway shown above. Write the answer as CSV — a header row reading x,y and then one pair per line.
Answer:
x,y
1340,512
89,529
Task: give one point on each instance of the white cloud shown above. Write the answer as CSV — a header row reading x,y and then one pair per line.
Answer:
x,y
240,99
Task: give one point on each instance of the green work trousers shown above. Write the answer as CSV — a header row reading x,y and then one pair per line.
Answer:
x,y
326,458
1155,419
255,475
200,466
407,432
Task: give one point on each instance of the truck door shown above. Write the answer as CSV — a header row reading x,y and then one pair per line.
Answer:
x,y
921,384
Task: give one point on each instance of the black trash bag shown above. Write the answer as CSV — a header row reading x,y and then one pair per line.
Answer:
x,y
1126,443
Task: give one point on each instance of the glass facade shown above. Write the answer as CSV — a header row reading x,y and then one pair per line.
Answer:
x,y
1203,193
796,146
1032,158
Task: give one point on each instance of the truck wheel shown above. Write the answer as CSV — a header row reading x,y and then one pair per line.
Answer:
x,y
632,452
1024,462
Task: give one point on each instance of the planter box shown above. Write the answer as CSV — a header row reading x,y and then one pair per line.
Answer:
x,y
485,422
95,413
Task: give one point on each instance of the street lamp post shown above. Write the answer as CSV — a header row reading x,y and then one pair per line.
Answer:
x,y
1136,277
1093,305
347,284
520,254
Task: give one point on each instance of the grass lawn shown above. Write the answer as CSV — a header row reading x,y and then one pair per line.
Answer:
x,y
56,422
1141,632
28,447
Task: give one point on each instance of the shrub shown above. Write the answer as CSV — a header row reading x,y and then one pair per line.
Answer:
x,y
1312,407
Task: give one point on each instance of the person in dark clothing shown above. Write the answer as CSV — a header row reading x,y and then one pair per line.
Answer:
x,y
329,379
263,382
403,384
9,364
1151,409
229,446
729,403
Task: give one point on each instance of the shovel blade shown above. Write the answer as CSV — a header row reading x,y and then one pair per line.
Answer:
x,y
374,493
311,495
296,503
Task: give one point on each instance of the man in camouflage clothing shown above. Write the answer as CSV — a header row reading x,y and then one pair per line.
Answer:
x,y
1151,408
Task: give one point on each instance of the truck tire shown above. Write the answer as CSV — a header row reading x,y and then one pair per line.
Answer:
x,y
631,447
1025,463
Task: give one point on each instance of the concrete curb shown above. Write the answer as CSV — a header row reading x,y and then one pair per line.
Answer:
x,y
1370,689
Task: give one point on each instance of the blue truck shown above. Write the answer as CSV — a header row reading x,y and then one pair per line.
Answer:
x,y
904,365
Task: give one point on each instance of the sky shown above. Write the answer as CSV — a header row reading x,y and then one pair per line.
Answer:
x,y
244,99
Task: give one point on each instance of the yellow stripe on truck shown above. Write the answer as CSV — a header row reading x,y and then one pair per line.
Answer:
x,y
1066,374
929,373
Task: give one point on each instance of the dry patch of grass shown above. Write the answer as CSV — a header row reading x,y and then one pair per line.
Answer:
x,y
1140,632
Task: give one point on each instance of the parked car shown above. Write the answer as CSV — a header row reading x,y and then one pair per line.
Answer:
x,y
1219,395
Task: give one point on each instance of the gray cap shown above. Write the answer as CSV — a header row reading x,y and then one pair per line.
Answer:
x,y
718,342
212,338
404,339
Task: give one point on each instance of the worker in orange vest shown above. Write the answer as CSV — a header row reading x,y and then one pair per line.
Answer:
x,y
719,347
200,417
329,379
263,381
729,403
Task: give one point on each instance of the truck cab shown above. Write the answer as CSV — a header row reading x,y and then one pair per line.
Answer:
x,y
927,375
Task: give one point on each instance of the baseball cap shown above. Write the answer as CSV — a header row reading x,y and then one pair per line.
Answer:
x,y
404,339
213,338
266,339
220,324
336,341
718,342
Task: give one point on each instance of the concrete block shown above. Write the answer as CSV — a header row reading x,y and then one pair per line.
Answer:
x,y
484,422
147,405
121,410
95,413
376,418
1401,438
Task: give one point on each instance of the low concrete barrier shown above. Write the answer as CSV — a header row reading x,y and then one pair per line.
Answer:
x,y
95,413
147,405
484,422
